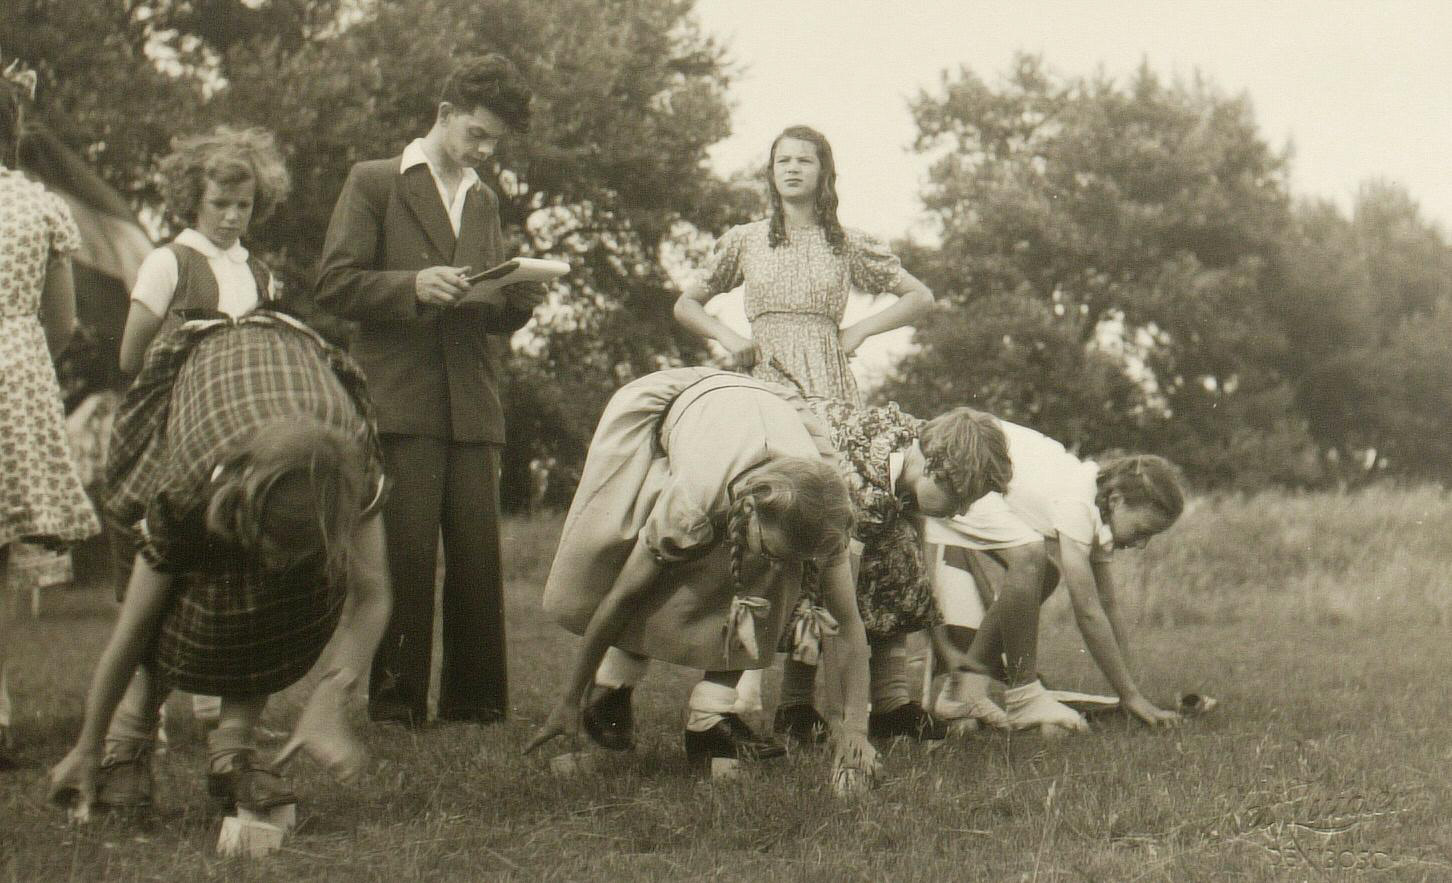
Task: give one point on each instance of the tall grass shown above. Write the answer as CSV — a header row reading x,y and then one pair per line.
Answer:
x,y
1273,603
1380,556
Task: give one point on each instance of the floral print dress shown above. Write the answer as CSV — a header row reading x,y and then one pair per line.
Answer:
x,y
894,594
796,294
41,497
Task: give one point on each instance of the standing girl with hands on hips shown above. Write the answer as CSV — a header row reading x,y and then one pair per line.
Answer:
x,y
799,266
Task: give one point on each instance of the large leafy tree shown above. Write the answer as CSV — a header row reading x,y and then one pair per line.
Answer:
x,y
1133,224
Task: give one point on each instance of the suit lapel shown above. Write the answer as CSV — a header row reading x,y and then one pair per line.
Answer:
x,y
470,250
422,197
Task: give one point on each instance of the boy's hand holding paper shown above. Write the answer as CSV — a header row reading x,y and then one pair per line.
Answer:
x,y
486,285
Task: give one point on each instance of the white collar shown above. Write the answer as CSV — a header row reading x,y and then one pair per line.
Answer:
x,y
414,155
191,238
895,462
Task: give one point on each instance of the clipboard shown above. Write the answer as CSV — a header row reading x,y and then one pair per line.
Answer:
x,y
485,284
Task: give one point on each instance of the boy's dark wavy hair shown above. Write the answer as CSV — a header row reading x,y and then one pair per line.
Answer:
x,y
492,82
826,205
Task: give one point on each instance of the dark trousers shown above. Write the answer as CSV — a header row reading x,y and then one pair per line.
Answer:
x,y
451,487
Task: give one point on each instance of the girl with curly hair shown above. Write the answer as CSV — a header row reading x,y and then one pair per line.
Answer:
x,y
1060,520
217,184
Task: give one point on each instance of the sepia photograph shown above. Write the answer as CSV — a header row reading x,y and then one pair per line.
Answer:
x,y
765,440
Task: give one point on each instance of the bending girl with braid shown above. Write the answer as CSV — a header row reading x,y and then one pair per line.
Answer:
x,y
706,496
709,502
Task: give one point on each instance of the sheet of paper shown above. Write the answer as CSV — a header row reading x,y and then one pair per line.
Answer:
x,y
512,271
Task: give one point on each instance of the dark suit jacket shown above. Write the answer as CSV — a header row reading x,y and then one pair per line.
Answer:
x,y
432,371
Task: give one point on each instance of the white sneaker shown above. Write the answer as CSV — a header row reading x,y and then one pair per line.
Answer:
x,y
965,696
1031,706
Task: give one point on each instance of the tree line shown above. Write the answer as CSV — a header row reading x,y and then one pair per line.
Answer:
x,y
1119,262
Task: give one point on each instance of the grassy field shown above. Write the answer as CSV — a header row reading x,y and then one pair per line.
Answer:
x,y
1319,622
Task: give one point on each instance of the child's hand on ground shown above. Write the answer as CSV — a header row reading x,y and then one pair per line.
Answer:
x,y
1150,713
563,721
73,780
852,750
323,731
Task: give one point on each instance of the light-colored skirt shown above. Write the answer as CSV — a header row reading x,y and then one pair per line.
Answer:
x,y
685,619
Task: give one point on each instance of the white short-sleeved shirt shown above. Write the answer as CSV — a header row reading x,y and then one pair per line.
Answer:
x,y
236,287
1050,496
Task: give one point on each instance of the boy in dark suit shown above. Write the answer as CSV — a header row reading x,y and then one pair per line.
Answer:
x,y
403,234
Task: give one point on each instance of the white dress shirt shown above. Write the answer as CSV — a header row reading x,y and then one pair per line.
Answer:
x,y
414,154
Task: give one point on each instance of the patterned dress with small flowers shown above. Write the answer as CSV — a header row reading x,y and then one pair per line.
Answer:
x,y
796,294
41,497
893,590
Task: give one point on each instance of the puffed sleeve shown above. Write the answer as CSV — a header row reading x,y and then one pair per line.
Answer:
x,y
678,527
65,236
873,266
725,271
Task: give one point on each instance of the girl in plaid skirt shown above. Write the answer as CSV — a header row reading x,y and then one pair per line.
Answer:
x,y
246,459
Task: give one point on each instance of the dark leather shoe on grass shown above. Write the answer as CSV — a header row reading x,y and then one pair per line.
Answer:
x,y
800,721
124,780
248,784
729,738
609,720
908,720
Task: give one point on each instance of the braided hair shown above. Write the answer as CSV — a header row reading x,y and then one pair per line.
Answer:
x,y
1141,479
966,451
826,205
804,498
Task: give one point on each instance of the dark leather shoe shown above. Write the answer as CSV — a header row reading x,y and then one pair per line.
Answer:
x,y
908,720
608,719
248,784
730,738
800,721
124,780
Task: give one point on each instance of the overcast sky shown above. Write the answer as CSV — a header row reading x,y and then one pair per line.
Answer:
x,y
1360,89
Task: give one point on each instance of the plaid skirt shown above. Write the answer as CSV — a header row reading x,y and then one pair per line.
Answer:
x,y
230,633
229,629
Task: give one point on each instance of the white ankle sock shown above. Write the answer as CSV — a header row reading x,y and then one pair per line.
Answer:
x,y
708,703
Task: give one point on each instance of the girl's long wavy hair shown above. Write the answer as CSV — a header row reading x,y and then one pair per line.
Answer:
x,y
826,205
293,493
804,498
1142,479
